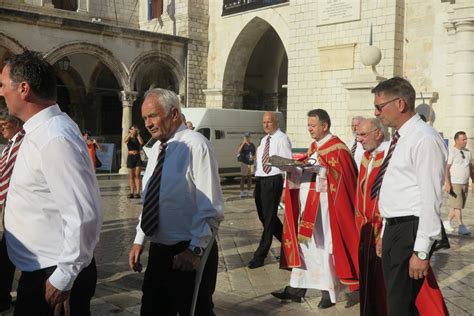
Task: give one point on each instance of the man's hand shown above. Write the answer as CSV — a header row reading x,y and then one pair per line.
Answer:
x,y
62,309
53,296
447,187
134,257
418,268
186,261
378,248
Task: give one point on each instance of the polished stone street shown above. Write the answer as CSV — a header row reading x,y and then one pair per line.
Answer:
x,y
241,291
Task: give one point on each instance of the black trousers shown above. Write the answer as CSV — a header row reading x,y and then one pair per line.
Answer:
x,y
267,197
7,272
397,249
168,292
31,289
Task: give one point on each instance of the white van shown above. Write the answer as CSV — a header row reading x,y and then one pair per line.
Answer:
x,y
225,129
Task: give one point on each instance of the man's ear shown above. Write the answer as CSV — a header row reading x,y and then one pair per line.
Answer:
x,y
25,90
402,105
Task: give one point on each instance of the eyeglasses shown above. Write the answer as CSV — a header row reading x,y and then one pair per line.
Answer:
x,y
380,106
462,154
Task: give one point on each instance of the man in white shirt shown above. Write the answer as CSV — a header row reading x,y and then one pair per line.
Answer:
x,y
269,185
52,210
457,181
183,206
10,128
355,146
409,186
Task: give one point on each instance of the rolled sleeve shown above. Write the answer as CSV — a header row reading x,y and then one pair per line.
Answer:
x,y
74,188
430,162
209,200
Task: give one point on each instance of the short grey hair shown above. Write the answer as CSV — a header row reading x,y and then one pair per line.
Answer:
x,y
379,125
167,98
358,118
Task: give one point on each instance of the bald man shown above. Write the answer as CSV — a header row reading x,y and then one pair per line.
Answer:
x,y
269,185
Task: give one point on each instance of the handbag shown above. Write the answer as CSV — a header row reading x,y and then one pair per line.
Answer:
x,y
239,158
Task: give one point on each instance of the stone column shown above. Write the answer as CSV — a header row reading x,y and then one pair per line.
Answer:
x,y
460,27
127,97
83,6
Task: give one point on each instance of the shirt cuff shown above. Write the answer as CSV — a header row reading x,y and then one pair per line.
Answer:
x,y
139,238
200,242
61,280
423,244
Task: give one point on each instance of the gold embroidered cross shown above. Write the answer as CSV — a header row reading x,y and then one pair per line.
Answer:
x,y
332,187
332,162
287,243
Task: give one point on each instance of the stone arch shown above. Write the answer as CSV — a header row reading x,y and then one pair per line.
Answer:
x,y
174,66
11,44
239,57
117,67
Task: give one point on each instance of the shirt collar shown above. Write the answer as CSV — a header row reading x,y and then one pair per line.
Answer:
x,y
41,117
408,125
177,134
323,140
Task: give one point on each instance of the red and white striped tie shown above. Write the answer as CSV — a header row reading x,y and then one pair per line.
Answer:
x,y
7,163
266,155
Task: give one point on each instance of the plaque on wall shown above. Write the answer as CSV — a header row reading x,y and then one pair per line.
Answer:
x,y
338,11
337,57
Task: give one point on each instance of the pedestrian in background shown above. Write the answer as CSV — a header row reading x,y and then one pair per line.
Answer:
x,y
134,141
52,207
246,156
92,146
457,181
269,185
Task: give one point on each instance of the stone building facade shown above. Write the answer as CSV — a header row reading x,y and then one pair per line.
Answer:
x,y
287,55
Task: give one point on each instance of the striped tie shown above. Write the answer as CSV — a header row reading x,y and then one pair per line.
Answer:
x,y
354,147
266,155
378,180
7,163
151,206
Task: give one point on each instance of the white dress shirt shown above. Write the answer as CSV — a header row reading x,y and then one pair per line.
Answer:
x,y
460,167
413,182
53,213
191,200
280,145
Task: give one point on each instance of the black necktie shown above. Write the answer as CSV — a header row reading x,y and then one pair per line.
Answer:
x,y
151,205
378,180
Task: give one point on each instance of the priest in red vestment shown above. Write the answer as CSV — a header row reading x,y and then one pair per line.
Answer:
x,y
320,239
369,224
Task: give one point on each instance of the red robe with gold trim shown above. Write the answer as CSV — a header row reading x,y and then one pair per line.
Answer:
x,y
430,300
341,177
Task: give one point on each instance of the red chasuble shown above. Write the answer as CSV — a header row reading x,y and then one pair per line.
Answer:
x,y
429,301
341,176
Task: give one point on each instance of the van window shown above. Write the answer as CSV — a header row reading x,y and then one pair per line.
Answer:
x,y
206,132
220,134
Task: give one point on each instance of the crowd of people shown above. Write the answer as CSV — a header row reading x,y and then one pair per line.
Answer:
x,y
345,224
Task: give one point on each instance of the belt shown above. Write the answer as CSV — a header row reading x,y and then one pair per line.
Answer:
x,y
402,219
133,152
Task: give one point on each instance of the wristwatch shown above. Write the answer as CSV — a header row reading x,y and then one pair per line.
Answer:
x,y
421,255
197,251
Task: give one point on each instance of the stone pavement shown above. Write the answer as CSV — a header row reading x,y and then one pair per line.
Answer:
x,y
241,291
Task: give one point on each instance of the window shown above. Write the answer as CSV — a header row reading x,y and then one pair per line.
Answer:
x,y
219,134
70,5
206,132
